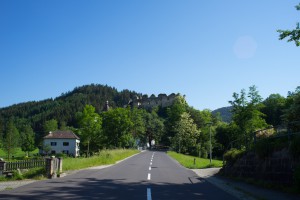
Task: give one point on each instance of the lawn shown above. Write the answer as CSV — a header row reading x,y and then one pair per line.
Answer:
x,y
18,154
188,161
105,157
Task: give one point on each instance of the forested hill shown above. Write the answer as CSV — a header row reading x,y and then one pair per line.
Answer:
x,y
65,107
225,113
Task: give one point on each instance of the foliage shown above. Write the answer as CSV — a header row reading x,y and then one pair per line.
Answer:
x,y
297,177
154,127
104,157
27,139
295,147
117,126
174,113
273,109
11,139
246,112
233,154
186,134
293,35
50,125
292,114
90,129
188,161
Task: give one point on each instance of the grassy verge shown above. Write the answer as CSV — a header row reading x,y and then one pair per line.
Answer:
x,y
36,174
18,154
104,158
188,161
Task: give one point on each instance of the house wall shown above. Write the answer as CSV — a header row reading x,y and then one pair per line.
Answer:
x,y
73,147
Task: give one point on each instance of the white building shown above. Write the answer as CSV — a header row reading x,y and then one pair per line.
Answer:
x,y
62,142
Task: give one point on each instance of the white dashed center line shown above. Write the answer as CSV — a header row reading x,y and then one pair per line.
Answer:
x,y
149,194
149,176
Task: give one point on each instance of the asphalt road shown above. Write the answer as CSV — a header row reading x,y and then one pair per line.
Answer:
x,y
148,175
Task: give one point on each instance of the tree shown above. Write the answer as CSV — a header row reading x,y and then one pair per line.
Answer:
x,y
154,127
246,112
27,139
50,125
11,139
90,128
174,113
117,127
292,113
138,128
293,35
186,134
273,109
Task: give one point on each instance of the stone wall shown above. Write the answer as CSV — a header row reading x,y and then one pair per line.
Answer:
x,y
162,100
278,168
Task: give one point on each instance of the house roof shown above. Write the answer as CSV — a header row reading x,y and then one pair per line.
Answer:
x,y
61,135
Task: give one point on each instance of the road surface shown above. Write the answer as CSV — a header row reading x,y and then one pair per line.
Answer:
x,y
149,175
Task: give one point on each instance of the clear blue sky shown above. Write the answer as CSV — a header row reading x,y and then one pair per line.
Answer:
x,y
204,49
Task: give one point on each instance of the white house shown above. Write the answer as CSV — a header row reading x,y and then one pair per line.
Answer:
x,y
63,142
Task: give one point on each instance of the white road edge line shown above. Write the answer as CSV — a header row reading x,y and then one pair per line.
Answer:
x,y
149,176
149,194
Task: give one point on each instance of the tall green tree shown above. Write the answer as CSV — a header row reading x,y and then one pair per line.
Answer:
x,y
154,127
273,109
186,134
292,35
90,129
11,139
139,127
117,128
246,112
174,113
27,139
291,115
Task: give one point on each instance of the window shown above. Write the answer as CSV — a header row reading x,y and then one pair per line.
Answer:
x,y
53,143
53,152
65,143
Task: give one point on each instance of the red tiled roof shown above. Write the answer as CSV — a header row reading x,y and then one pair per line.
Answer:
x,y
61,135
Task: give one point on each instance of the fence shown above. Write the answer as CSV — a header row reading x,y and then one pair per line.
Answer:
x,y
25,164
53,166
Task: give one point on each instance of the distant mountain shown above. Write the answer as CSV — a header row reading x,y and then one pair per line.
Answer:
x,y
225,113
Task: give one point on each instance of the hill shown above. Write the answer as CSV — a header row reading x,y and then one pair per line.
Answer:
x,y
65,107
225,113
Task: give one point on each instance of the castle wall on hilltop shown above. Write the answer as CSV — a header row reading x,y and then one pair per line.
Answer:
x,y
146,102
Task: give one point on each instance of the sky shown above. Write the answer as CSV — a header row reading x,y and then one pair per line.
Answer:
x,y
206,50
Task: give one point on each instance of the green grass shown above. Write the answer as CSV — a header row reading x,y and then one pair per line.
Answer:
x,y
104,158
18,154
188,161
35,173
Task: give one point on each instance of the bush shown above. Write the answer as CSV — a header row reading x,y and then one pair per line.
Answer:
x,y
233,154
35,173
17,175
297,177
295,147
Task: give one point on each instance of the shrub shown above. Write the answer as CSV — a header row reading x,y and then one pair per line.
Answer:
x,y
233,154
295,147
35,173
297,177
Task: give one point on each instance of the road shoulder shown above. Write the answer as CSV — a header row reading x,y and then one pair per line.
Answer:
x,y
239,189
